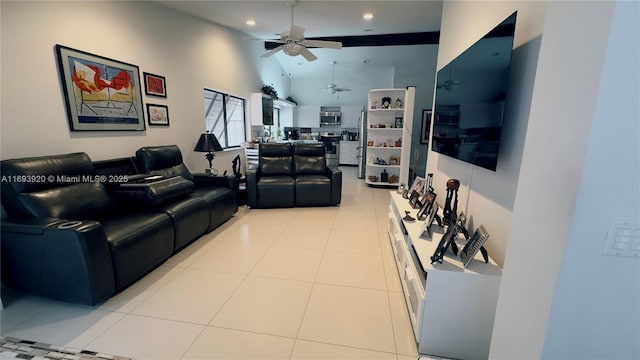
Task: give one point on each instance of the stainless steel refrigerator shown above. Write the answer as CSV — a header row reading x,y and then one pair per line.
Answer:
x,y
362,146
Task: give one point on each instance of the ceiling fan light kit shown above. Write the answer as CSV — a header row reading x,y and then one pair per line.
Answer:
x,y
294,43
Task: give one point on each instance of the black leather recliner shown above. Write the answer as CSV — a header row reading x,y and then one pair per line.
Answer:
x,y
293,175
66,238
219,193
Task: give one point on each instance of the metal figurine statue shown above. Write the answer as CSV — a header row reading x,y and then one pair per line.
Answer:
x,y
450,213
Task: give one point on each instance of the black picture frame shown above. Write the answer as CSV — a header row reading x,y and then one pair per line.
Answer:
x,y
158,115
100,93
155,85
427,204
433,214
414,199
425,131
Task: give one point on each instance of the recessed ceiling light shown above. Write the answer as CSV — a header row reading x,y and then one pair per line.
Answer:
x,y
367,61
251,22
367,16
368,30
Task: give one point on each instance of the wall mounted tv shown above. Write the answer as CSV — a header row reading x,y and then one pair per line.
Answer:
x,y
470,97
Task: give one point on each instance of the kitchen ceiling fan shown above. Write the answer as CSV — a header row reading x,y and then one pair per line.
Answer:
x,y
294,43
333,88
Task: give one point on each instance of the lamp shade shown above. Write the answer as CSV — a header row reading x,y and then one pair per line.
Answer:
x,y
207,143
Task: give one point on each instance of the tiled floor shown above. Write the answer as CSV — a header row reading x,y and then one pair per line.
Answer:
x,y
303,283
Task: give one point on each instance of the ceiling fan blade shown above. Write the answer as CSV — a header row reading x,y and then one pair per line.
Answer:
x,y
307,54
343,89
296,33
272,51
323,44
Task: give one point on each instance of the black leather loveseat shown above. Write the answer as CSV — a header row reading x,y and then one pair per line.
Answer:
x,y
293,175
74,236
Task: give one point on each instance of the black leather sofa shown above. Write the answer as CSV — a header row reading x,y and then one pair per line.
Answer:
x,y
291,175
74,236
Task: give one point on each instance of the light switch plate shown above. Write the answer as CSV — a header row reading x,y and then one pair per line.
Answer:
x,y
623,239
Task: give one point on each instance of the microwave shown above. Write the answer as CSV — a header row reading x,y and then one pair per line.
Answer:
x,y
330,117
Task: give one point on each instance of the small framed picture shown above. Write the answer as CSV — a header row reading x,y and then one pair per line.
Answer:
x,y
155,85
414,200
427,204
398,122
394,160
158,114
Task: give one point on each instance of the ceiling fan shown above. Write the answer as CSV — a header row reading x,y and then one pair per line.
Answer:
x,y
294,43
451,84
333,88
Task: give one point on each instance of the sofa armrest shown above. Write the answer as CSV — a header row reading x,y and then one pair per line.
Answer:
x,y
56,258
208,180
252,187
336,186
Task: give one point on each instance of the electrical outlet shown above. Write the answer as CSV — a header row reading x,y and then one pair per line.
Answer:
x,y
623,239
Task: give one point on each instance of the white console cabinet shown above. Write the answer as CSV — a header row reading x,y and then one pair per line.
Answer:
x,y
451,308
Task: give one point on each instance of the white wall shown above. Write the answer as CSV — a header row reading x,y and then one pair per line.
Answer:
x,y
596,306
190,53
487,197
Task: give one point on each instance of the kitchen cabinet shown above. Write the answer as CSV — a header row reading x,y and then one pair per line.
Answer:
x,y
451,308
389,136
348,153
287,109
308,116
260,109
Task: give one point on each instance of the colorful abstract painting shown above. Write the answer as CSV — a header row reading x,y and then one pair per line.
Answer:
x,y
100,93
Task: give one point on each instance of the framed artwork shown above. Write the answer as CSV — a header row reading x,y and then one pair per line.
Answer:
x,y
426,126
398,122
158,114
394,160
155,85
100,93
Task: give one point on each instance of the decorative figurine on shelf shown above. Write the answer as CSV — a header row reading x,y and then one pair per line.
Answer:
x,y
386,102
393,178
450,211
374,105
398,104
408,217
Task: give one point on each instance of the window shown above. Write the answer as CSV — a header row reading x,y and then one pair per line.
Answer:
x,y
224,116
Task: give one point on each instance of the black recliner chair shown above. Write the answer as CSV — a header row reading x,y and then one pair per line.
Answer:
x,y
293,175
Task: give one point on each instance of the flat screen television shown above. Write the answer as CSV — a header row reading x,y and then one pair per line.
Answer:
x,y
470,97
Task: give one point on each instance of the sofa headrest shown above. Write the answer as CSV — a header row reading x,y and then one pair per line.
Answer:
x,y
53,186
303,149
274,149
35,172
162,160
309,159
275,159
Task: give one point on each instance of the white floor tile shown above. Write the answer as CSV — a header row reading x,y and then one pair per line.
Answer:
x,y
230,257
289,263
304,238
363,240
193,296
349,316
81,325
263,234
314,350
402,329
349,269
147,338
217,343
268,306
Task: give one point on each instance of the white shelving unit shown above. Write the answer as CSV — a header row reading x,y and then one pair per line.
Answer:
x,y
389,135
451,307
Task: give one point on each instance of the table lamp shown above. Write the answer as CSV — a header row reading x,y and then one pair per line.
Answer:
x,y
208,143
